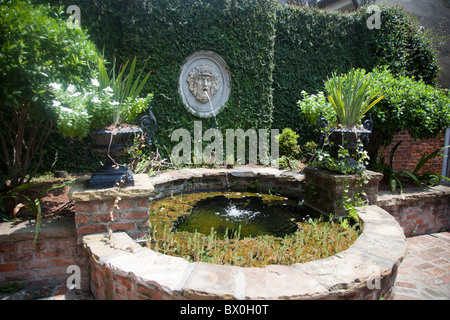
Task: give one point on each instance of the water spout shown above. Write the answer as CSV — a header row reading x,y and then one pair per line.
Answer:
x,y
217,126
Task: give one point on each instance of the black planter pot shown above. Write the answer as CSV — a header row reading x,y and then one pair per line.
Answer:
x,y
111,144
347,139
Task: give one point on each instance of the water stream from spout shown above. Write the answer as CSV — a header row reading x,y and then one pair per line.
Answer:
x,y
217,126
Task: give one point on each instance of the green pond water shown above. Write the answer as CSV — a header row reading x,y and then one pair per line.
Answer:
x,y
249,215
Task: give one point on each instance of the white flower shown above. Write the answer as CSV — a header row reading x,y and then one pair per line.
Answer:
x,y
67,110
95,100
76,94
114,103
56,103
108,89
87,94
95,82
71,88
55,86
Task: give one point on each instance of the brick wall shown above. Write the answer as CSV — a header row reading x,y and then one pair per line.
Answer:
x,y
324,190
409,152
131,216
419,211
56,250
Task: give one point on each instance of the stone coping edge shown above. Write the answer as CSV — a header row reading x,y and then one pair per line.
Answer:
x,y
147,187
387,198
366,270
13,232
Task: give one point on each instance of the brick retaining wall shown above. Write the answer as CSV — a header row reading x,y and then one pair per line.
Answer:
x,y
419,210
56,250
409,152
59,244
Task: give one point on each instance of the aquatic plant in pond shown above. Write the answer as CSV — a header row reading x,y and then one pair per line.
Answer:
x,y
309,239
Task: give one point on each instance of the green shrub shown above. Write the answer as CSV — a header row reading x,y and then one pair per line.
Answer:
x,y
37,48
312,105
408,104
288,143
273,52
404,47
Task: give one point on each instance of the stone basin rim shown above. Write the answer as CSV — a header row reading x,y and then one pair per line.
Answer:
x,y
350,274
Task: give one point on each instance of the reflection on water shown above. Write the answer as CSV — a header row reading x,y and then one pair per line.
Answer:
x,y
249,215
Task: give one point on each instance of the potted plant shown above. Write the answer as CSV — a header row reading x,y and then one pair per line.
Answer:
x,y
351,98
104,110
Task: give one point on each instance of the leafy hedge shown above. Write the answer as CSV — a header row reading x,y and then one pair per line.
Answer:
x,y
310,45
273,52
36,48
167,32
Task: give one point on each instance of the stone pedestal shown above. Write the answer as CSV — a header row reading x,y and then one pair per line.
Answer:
x,y
326,190
130,213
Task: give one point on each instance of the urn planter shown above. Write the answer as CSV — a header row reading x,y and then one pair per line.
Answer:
x,y
111,143
347,139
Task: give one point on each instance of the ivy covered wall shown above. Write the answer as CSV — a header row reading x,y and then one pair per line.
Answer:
x,y
273,52
310,45
166,33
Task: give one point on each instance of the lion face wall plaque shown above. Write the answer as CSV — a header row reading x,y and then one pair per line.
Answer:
x,y
204,83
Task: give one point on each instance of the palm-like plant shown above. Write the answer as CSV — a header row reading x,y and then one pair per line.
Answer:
x,y
125,91
351,96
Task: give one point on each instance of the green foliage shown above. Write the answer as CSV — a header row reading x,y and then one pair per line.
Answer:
x,y
37,47
33,205
419,178
126,93
168,32
404,47
408,104
11,287
312,105
351,96
311,44
106,100
273,53
288,143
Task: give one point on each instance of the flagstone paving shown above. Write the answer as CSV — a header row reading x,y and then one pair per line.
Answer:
x,y
424,274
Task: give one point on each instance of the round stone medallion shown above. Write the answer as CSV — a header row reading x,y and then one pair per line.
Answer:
x,y
204,83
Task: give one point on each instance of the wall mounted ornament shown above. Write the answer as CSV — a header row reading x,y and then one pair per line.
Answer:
x,y
204,83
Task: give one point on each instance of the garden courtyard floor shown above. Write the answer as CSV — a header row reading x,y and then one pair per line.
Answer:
x,y
424,274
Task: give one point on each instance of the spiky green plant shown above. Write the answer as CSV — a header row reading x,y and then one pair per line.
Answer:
x,y
125,91
351,96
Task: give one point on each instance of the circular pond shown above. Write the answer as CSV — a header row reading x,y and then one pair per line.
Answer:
x,y
247,214
122,269
245,229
